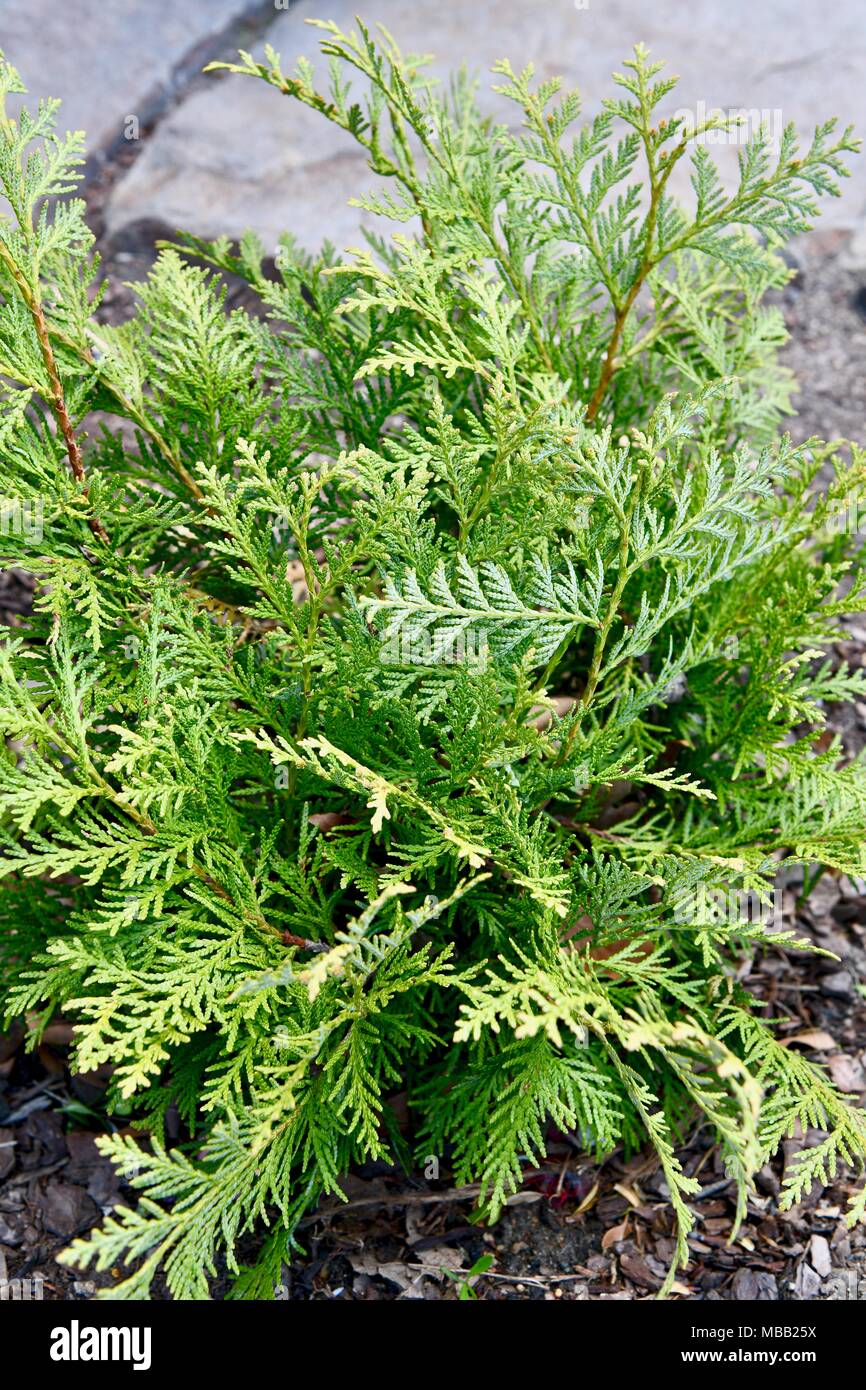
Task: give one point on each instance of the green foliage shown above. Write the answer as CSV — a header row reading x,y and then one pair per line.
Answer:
x,y
351,622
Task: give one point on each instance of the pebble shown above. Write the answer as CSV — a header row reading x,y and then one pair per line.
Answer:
x,y
819,1254
838,984
807,1284
750,1286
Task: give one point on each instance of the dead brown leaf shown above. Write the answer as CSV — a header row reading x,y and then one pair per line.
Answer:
x,y
615,1234
847,1073
631,1193
815,1038
589,1200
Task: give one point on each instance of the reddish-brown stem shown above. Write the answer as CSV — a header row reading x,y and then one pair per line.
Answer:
x,y
289,939
609,364
58,402
58,399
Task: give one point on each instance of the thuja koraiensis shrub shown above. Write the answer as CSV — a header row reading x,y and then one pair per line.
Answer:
x,y
416,660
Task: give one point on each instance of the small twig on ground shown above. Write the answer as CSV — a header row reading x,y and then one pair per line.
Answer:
x,y
406,1199
711,1189
38,1103
539,1282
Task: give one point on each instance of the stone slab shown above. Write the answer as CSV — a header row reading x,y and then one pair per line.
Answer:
x,y
106,59
237,154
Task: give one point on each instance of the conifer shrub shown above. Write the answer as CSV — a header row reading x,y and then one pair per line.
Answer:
x,y
417,662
